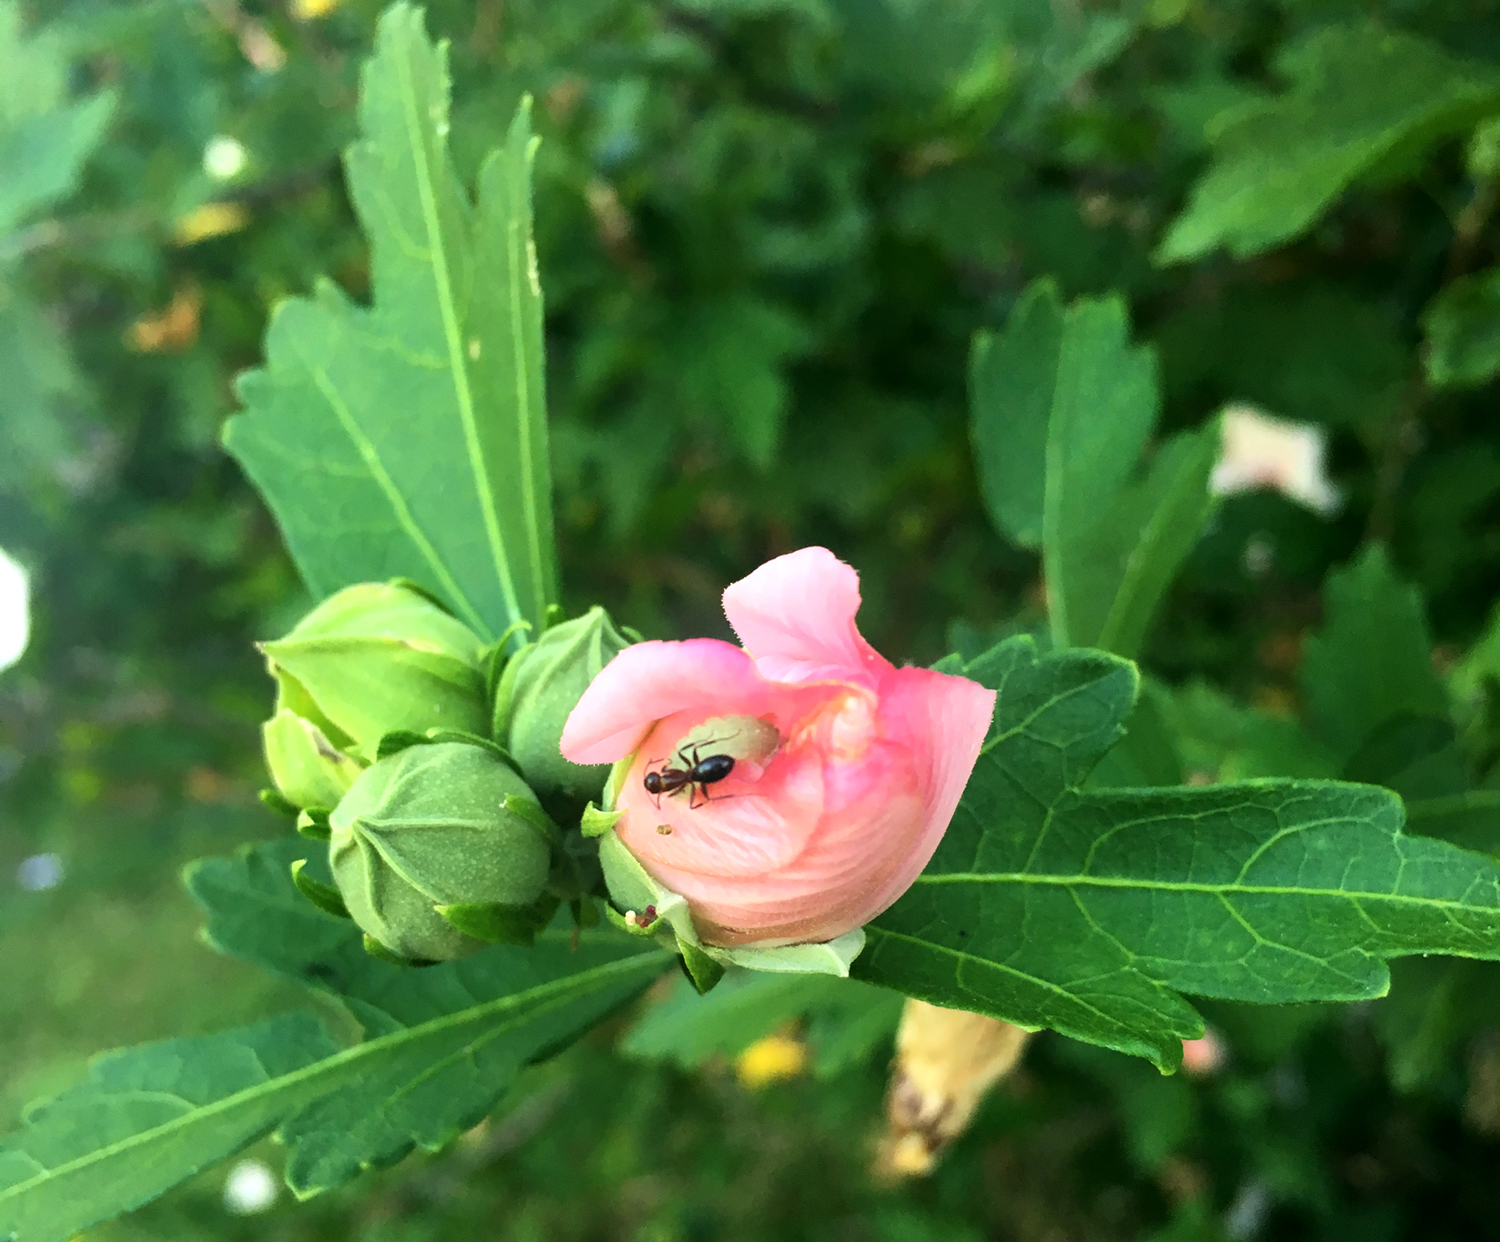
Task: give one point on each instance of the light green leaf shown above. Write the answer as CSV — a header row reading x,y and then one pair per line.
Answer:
x,y
442,1045
1463,332
410,439
1062,409
147,1118
44,141
1361,101
1092,911
544,996
1128,561
1372,660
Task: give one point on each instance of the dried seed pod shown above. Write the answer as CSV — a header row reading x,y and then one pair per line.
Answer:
x,y
946,1060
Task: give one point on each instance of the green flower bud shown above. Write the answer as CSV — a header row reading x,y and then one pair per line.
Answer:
x,y
373,659
440,825
309,770
540,687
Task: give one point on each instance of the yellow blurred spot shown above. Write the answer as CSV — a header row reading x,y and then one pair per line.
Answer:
x,y
210,220
311,10
205,785
1275,700
772,1059
169,330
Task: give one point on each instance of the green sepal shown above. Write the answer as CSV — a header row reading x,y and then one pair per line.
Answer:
x,y
416,588
324,896
595,823
395,742
502,924
375,949
554,616
632,887
531,811
402,739
313,825
496,657
272,800
700,969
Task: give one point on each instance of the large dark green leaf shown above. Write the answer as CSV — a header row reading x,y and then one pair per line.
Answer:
x,y
410,438
1091,912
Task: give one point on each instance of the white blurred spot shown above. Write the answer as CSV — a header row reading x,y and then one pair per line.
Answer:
x,y
15,611
1259,556
1247,1213
250,1188
1261,452
40,872
224,158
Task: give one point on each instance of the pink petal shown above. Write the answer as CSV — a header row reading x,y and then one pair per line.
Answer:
x,y
944,719
795,615
649,681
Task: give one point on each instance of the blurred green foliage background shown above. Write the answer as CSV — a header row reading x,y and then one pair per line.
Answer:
x,y
768,230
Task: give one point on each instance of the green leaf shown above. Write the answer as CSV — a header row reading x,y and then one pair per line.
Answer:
x,y
1372,659
1091,911
1223,741
455,1034
1128,561
410,439
44,142
147,1118
41,385
1362,101
727,360
1463,332
442,1045
1062,409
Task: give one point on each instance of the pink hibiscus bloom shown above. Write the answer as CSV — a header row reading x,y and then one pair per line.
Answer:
x,y
791,790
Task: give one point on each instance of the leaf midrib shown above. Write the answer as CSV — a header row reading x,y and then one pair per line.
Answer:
x,y
1223,888
286,1082
457,366
367,451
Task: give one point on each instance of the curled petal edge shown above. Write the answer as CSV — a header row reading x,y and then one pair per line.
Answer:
x,y
633,888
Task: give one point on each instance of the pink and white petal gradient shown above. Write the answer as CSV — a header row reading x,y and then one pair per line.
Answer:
x,y
817,833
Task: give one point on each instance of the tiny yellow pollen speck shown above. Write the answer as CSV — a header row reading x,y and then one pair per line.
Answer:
x,y
664,829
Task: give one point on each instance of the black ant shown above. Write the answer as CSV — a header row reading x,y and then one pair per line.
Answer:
x,y
696,772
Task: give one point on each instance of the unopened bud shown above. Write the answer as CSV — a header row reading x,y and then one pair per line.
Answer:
x,y
373,659
539,689
433,827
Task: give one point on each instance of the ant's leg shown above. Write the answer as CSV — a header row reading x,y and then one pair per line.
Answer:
x,y
698,747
